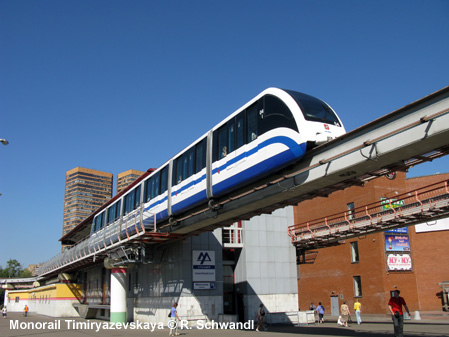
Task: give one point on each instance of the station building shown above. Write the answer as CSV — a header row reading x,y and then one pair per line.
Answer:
x,y
251,262
367,267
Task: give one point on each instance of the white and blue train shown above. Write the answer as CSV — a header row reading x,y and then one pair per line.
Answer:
x,y
270,132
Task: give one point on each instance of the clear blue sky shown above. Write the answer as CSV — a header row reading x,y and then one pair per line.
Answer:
x,y
114,85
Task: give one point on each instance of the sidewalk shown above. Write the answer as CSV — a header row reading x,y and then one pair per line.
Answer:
x,y
39,326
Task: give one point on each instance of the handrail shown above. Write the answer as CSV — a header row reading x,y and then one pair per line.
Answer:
x,y
370,214
96,244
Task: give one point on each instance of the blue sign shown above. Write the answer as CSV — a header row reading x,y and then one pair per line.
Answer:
x,y
402,230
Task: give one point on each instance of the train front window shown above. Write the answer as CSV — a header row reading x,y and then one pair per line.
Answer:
x,y
275,114
314,109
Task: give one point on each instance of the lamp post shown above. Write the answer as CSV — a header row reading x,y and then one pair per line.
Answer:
x,y
4,141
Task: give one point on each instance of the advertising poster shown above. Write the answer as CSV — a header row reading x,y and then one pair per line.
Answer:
x,y
399,262
397,243
391,203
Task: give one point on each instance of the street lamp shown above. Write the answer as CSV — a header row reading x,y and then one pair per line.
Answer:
x,y
4,141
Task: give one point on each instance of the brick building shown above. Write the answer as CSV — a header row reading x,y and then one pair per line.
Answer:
x,y
358,267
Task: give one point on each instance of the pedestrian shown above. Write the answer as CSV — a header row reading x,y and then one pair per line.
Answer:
x,y
357,308
315,313
395,305
344,310
4,311
25,310
173,322
320,310
261,318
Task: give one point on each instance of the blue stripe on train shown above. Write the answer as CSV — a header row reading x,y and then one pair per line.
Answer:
x,y
295,151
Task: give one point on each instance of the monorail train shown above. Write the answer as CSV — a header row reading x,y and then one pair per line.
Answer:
x,y
267,134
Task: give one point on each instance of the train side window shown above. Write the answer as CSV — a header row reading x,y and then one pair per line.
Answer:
x,y
190,162
111,213
153,186
117,210
223,142
164,179
240,130
148,195
99,221
275,114
200,156
155,190
178,177
215,146
129,201
231,135
146,191
252,127
137,196
185,166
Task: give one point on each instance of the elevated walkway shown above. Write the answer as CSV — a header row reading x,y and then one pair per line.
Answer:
x,y
429,202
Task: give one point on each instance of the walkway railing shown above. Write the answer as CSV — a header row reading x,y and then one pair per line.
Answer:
x,y
402,210
232,237
132,227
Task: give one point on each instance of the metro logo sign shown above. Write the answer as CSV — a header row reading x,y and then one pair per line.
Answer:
x,y
203,269
204,256
399,262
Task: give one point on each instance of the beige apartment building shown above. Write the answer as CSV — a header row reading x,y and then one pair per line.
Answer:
x,y
126,178
85,191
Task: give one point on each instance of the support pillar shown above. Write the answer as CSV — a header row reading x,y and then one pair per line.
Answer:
x,y
118,295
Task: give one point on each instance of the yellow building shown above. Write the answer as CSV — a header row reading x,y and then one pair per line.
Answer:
x,y
55,300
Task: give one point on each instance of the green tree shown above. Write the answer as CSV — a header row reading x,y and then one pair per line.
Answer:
x,y
14,269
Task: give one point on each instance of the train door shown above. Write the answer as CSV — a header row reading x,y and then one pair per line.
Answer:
x,y
240,143
254,151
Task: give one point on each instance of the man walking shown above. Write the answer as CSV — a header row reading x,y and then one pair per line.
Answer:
x,y
395,305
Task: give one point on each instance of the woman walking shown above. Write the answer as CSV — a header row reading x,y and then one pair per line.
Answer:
x,y
344,310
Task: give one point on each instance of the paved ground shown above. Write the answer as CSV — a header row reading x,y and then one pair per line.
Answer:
x,y
37,325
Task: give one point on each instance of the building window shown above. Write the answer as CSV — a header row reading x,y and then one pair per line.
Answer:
x,y
357,286
354,252
351,213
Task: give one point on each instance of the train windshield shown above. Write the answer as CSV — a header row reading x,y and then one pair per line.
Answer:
x,y
314,109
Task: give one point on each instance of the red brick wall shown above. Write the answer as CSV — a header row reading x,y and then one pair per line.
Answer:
x,y
332,271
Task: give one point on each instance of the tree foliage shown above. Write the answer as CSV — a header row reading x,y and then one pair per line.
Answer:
x,y
14,269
